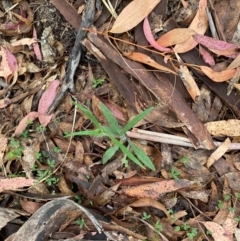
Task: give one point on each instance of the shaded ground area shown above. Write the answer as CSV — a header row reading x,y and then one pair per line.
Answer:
x,y
119,120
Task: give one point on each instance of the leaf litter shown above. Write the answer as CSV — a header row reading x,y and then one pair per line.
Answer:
x,y
146,137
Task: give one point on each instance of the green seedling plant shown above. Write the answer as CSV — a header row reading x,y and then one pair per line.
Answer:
x,y
175,173
97,82
16,149
80,222
158,226
191,232
117,136
146,216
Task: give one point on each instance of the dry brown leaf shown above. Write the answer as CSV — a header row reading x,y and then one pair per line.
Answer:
x,y
199,25
142,58
3,146
149,202
218,232
189,82
155,190
175,36
219,152
218,76
133,14
224,128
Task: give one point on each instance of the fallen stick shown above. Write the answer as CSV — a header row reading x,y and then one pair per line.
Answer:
x,y
172,139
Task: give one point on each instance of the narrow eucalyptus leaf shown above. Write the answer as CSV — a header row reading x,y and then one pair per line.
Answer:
x,y
126,152
110,153
112,121
142,156
135,120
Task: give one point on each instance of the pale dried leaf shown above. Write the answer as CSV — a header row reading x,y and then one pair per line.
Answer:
x,y
219,152
224,128
3,146
175,36
199,25
218,232
133,14
24,41
235,63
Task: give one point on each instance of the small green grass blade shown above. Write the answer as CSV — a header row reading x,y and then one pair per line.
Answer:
x,y
97,133
135,120
126,152
142,156
112,121
110,153
89,114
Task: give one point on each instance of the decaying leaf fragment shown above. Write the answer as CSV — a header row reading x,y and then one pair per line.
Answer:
x,y
224,128
157,189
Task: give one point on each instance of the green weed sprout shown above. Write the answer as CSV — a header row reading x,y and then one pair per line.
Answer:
x,y
117,136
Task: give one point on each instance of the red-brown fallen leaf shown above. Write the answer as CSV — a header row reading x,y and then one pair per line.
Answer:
x,y
207,57
215,44
175,36
155,190
218,76
25,121
199,25
218,232
8,64
14,183
142,58
133,14
46,100
36,47
149,36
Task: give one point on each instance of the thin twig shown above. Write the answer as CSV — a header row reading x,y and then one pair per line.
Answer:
x,y
172,139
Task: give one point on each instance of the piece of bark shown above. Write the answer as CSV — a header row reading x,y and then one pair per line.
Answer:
x,y
52,216
220,89
68,12
161,89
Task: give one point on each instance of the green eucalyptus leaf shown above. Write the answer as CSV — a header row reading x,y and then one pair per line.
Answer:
x,y
89,114
110,153
135,120
142,156
112,121
126,152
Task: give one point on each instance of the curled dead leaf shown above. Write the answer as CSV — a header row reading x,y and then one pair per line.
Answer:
x,y
218,76
142,58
